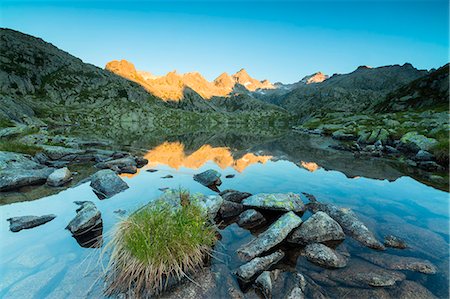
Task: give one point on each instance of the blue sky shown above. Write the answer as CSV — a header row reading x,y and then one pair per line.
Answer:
x,y
279,41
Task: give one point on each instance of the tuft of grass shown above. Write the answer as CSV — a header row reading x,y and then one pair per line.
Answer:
x,y
6,123
17,147
441,152
155,246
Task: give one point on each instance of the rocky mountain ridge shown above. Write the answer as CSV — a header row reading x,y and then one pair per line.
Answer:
x,y
171,86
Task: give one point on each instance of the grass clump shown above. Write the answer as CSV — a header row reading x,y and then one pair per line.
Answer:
x,y
17,147
156,246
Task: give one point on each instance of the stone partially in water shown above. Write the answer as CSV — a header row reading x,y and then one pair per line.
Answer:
x,y
415,141
209,178
257,265
234,195
107,183
59,177
395,262
264,283
395,242
324,256
349,222
25,222
230,209
318,228
88,216
210,205
250,219
274,235
276,202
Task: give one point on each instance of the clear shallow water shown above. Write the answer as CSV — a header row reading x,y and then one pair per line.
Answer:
x,y
46,262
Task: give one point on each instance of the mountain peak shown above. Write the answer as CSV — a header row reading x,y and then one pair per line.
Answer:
x,y
314,78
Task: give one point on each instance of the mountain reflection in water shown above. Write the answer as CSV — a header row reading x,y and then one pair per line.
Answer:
x,y
47,262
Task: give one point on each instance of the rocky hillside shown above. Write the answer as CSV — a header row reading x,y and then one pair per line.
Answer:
x,y
40,83
39,80
428,92
353,92
172,86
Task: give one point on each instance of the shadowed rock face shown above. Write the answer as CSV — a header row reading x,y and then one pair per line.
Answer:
x,y
257,265
16,224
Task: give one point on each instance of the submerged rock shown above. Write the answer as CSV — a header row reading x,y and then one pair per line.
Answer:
x,y
209,178
229,176
16,224
169,176
349,222
395,262
324,256
274,235
276,202
59,177
257,265
411,289
250,219
230,209
318,228
362,274
88,217
107,183
395,242
234,195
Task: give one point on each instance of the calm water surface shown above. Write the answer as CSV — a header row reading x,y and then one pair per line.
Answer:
x,y
47,262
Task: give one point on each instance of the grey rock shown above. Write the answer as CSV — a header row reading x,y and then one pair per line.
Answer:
x,y
88,217
318,228
413,140
394,262
275,201
128,169
257,265
395,242
12,179
324,256
349,222
140,162
264,283
210,205
274,235
342,135
250,219
107,183
209,178
298,291
230,209
391,150
25,222
118,164
430,166
229,176
169,176
423,156
59,177
60,152
234,195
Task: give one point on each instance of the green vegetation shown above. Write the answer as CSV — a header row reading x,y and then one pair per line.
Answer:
x,y
6,123
155,245
13,146
441,151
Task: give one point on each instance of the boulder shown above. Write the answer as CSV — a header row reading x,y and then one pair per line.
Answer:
x,y
140,162
318,228
324,256
298,291
230,209
274,235
59,177
423,156
210,205
250,219
257,265
415,141
349,222
12,179
88,217
209,178
430,166
234,195
342,135
25,222
411,289
395,262
118,165
107,183
276,202
395,242
60,152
